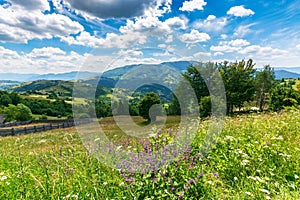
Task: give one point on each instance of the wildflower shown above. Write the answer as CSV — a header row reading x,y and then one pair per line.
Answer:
x,y
105,183
248,193
171,181
244,162
296,177
3,178
268,197
172,189
235,178
265,191
155,179
251,177
216,175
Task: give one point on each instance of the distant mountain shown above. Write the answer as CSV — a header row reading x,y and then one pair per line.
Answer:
x,y
280,74
289,69
33,77
7,84
179,66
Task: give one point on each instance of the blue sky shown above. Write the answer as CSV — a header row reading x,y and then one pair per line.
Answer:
x,y
54,36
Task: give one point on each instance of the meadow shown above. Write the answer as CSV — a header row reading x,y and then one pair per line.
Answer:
x,y
255,157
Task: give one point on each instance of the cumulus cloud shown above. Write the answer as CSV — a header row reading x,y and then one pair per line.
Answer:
x,y
111,8
240,11
263,51
193,5
31,4
42,60
23,25
194,37
230,46
211,23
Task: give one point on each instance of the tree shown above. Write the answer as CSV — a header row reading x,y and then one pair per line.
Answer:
x,y
18,113
239,82
23,113
148,102
5,100
264,82
282,96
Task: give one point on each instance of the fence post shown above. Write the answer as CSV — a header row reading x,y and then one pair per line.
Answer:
x,y
44,127
35,129
12,131
25,130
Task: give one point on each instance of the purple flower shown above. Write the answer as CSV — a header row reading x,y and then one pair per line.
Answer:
x,y
216,175
172,189
171,181
162,174
200,175
155,179
268,143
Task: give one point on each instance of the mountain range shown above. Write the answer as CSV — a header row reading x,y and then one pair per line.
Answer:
x,y
179,66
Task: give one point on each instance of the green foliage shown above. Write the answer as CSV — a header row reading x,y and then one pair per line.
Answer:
x,y
264,82
283,95
205,106
18,113
239,83
5,100
146,103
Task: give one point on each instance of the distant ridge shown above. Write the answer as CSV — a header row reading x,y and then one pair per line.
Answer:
x,y
180,66
33,77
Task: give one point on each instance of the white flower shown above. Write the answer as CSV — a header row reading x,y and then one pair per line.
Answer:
x,y
296,177
248,193
251,177
235,178
265,191
244,162
268,197
105,183
2,178
121,184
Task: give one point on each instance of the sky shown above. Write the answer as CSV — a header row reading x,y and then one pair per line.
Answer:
x,y
56,36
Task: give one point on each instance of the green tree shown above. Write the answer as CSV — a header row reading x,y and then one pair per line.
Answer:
x,y
5,100
282,96
148,102
23,113
264,81
239,82
18,113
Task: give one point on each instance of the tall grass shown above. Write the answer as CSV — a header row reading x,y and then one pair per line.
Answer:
x,y
256,157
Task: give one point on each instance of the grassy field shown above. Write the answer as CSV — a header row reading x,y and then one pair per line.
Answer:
x,y
256,157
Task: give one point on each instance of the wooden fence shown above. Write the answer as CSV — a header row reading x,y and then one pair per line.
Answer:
x,y
51,124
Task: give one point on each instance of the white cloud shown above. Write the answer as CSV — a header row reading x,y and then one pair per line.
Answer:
x,y
194,37
243,30
40,60
193,5
298,46
230,46
239,43
177,23
24,25
211,23
223,36
261,51
218,54
130,53
84,39
240,11
224,48
202,55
